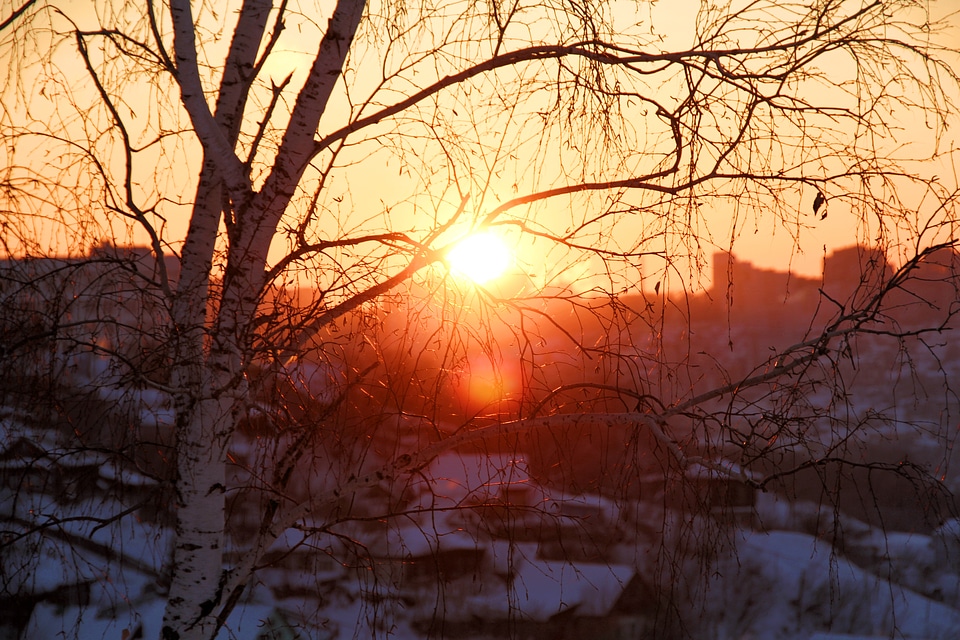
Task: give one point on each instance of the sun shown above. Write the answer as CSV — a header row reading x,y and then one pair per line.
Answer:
x,y
480,257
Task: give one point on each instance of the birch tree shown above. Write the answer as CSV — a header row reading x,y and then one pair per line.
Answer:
x,y
342,148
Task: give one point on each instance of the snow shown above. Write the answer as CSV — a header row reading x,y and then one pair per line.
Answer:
x,y
520,585
125,477
781,584
719,470
154,407
38,567
110,618
52,621
791,585
950,529
587,506
14,431
453,478
409,539
543,589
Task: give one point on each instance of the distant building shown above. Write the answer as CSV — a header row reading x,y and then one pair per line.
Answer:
x,y
73,316
742,286
722,490
856,271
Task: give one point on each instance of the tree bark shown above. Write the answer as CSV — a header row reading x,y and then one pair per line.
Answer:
x,y
209,353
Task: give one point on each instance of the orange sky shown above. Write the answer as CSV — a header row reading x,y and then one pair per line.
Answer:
x,y
383,192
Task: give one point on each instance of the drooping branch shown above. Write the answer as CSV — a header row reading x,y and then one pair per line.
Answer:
x,y
610,54
127,148
514,58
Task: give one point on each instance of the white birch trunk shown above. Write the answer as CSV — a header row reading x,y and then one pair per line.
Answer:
x,y
197,557
204,418
211,352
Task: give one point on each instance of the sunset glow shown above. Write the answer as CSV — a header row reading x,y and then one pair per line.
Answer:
x,y
480,257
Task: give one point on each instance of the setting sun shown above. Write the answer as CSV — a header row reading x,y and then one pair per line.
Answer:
x,y
480,257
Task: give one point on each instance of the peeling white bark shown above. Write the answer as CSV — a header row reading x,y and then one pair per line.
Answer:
x,y
197,559
209,353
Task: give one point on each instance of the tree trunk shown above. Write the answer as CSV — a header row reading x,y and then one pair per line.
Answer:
x,y
198,547
210,352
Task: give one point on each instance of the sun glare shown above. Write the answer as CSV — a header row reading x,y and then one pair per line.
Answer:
x,y
480,257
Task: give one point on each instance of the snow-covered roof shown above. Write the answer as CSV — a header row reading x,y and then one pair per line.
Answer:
x,y
949,529
541,589
583,505
127,477
14,431
414,540
544,588
800,567
455,477
718,470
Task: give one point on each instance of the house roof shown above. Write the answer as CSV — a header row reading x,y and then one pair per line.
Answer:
x,y
413,540
541,589
454,478
718,470
546,588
